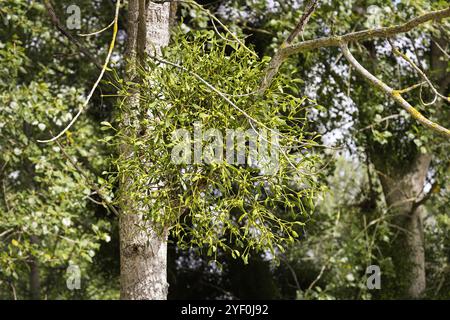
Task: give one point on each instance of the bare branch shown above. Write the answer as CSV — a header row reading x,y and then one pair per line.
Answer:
x,y
441,49
57,23
395,94
336,41
100,77
96,32
415,86
278,58
420,72
392,116
288,49
310,7
6,232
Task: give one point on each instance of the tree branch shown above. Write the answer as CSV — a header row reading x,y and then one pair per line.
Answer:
x,y
418,202
287,49
99,79
57,23
279,57
421,73
395,94
310,7
336,41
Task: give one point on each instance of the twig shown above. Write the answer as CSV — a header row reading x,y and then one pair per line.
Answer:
x,y
310,7
336,41
13,290
418,202
278,59
392,116
6,232
291,269
421,73
386,32
374,81
97,32
441,49
57,23
411,87
91,93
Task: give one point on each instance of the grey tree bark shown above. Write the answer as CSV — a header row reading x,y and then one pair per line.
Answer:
x,y
401,190
143,253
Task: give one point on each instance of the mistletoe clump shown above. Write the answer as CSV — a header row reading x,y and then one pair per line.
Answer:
x,y
198,102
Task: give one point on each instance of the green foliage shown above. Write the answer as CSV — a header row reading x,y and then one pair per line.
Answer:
x,y
367,124
45,212
222,210
352,225
219,205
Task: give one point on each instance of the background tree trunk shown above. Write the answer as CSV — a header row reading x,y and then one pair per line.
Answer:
x,y
143,253
401,191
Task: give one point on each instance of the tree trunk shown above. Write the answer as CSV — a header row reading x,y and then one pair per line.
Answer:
x,y
143,253
401,191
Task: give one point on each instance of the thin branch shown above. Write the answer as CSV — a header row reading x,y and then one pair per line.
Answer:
x,y
386,32
374,81
310,8
100,77
279,57
95,201
336,41
415,86
319,276
392,116
97,32
57,23
4,233
420,72
425,198
258,30
441,49
5,197
293,273
13,288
